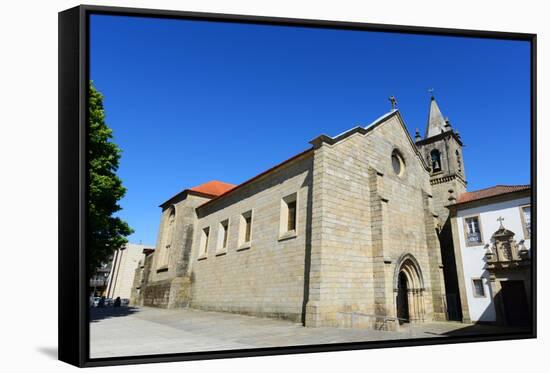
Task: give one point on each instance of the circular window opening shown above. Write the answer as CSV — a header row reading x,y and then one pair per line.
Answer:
x,y
397,163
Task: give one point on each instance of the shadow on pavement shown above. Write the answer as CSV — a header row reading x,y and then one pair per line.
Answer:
x,y
481,329
101,313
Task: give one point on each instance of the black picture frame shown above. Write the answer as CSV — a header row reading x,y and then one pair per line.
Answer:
x,y
73,94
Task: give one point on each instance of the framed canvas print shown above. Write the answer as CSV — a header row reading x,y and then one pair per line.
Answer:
x,y
234,186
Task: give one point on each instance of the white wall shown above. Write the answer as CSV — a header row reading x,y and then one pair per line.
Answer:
x,y
122,277
482,309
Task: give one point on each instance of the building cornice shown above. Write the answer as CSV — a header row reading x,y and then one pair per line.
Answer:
x,y
325,139
183,195
490,200
444,179
259,176
441,136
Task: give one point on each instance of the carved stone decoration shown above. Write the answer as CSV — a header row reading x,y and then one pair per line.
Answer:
x,y
523,252
503,249
489,254
506,249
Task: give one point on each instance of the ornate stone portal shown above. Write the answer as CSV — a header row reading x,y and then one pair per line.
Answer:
x,y
409,290
508,263
505,253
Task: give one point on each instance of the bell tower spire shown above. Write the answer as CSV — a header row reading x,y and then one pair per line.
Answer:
x,y
436,122
442,150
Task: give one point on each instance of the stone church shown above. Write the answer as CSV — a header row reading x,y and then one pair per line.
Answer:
x,y
352,231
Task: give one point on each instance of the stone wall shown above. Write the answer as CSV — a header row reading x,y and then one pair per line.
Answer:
x,y
169,287
265,278
135,296
141,281
123,269
341,252
365,217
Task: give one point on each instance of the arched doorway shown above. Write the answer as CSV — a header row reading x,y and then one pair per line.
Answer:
x,y
409,289
402,299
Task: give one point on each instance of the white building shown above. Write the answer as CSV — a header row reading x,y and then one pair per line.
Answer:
x,y
492,243
125,262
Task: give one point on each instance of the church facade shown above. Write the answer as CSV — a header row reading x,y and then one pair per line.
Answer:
x,y
354,231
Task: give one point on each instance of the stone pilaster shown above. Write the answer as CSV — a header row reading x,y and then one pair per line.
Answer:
x,y
314,308
437,284
382,280
465,311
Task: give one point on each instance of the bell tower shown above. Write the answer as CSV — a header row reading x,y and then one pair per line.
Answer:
x,y
442,150
441,147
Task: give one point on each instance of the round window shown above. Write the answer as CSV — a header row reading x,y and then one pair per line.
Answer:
x,y
397,163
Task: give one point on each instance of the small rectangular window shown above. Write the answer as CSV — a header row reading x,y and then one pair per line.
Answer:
x,y
479,289
289,216
223,235
204,241
245,228
473,231
248,227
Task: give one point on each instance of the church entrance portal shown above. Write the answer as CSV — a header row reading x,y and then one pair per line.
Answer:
x,y
409,289
402,299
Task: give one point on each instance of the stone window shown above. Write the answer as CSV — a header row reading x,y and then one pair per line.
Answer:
x,y
472,231
291,224
397,162
288,223
204,242
245,229
478,288
526,220
168,236
435,157
223,235
458,161
248,228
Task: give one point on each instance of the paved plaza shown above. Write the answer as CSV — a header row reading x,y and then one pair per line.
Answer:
x,y
143,331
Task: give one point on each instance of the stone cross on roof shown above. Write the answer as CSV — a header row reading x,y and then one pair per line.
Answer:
x,y
501,219
393,101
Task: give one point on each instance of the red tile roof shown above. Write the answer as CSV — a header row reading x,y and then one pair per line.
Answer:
x,y
491,192
213,188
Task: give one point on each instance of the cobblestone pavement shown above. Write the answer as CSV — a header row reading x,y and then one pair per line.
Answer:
x,y
143,331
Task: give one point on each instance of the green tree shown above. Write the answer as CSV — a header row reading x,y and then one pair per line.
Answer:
x,y
106,232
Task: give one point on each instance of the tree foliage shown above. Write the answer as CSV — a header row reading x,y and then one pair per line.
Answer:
x,y
106,232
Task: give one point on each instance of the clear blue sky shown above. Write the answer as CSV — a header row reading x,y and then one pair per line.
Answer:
x,y
195,101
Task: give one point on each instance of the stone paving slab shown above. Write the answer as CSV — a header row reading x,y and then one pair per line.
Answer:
x,y
127,331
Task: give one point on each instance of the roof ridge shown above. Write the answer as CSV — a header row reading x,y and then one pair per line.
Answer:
x,y
214,181
492,191
499,185
238,186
